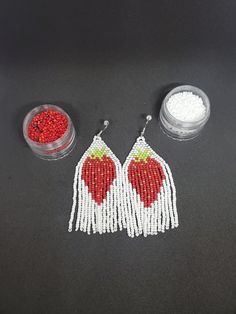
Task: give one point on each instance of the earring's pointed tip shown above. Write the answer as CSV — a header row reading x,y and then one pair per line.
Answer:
x,y
106,122
149,117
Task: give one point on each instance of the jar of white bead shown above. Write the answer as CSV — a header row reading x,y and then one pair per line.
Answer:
x,y
184,112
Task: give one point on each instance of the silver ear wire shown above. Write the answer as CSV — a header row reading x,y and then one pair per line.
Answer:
x,y
148,118
106,123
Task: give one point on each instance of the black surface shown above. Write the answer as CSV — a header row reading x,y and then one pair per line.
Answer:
x,y
116,60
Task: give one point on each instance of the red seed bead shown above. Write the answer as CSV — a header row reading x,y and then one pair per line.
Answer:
x,y
47,126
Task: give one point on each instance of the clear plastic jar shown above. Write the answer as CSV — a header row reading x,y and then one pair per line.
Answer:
x,y
56,149
183,130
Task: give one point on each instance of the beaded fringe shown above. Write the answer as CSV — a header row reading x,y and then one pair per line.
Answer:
x,y
97,199
144,174
139,196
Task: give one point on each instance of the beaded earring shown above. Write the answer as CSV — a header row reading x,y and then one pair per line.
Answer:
x,y
149,191
97,200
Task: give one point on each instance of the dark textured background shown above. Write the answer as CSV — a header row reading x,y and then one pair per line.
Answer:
x,y
116,60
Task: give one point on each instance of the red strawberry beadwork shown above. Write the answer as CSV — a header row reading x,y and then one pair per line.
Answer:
x,y
146,176
98,173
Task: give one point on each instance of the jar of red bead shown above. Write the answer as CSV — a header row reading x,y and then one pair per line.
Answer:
x,y
49,132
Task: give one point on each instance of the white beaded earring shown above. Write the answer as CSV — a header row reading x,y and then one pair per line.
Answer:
x,y
149,191
97,200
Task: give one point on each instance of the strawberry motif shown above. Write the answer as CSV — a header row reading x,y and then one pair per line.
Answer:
x,y
98,173
146,176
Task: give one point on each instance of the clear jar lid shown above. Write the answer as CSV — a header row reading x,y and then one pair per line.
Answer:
x,y
56,149
176,128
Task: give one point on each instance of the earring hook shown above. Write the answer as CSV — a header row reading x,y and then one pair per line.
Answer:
x,y
148,118
105,123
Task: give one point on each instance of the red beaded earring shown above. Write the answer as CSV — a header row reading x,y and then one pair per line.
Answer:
x,y
97,202
149,191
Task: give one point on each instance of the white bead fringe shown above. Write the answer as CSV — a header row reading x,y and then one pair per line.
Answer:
x,y
162,213
93,217
123,206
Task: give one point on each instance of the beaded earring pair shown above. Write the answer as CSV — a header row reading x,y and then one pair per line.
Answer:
x,y
139,196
